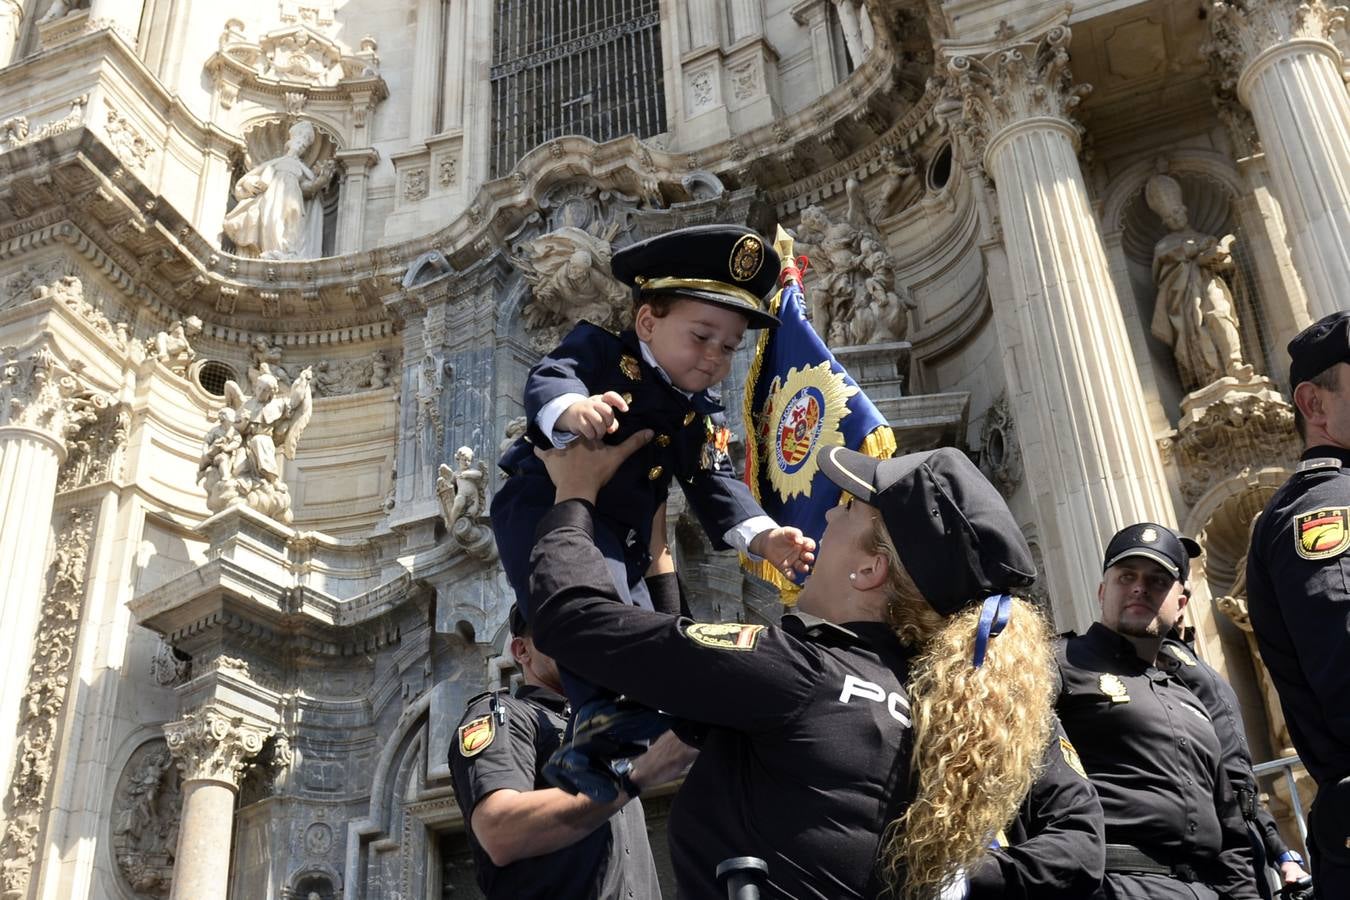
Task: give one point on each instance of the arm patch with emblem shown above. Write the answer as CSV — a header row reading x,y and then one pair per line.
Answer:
x,y
724,635
476,735
1071,757
1323,533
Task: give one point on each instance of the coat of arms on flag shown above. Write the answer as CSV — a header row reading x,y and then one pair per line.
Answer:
x,y
799,400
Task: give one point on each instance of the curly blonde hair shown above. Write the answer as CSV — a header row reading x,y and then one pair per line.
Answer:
x,y
979,733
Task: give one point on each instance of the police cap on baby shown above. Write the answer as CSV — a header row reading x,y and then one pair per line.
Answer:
x,y
1319,347
955,535
726,265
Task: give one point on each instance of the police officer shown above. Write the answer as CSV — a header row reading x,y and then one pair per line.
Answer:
x,y
531,840
1298,590
1173,829
807,757
1213,690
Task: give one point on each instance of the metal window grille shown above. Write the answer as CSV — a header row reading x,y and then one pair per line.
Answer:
x,y
574,67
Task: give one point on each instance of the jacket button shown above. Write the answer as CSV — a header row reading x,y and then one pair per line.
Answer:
x,y
663,440
627,398
689,417
654,473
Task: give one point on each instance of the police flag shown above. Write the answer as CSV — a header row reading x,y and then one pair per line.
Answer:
x,y
799,400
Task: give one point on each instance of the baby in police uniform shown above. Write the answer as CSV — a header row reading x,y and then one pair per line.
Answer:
x,y
696,291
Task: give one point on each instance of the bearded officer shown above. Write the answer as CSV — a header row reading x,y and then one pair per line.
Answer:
x,y
1173,829
1298,590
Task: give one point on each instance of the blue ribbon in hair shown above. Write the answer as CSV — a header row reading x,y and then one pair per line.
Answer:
x,y
993,619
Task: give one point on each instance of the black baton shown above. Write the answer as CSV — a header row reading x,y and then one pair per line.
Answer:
x,y
742,876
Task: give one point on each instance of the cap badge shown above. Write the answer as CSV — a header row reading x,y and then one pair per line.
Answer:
x,y
1148,535
628,365
747,258
1323,533
801,417
1114,688
724,635
475,736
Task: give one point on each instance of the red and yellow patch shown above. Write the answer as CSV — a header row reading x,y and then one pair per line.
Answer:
x,y
475,736
1323,533
724,635
1071,759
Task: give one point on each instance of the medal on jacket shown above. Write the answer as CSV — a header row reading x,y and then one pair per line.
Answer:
x,y
628,365
715,443
1114,688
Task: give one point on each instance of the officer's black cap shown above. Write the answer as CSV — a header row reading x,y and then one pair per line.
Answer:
x,y
726,265
1152,541
1319,347
955,535
517,620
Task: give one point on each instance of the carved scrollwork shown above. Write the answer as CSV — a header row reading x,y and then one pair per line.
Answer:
x,y
1000,451
211,745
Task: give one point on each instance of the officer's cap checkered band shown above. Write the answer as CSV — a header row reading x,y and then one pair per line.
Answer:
x,y
1158,543
955,535
1319,347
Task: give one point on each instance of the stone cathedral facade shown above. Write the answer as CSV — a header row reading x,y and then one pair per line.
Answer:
x,y
1071,238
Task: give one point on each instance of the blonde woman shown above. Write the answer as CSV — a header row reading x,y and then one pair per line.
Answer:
x,y
883,736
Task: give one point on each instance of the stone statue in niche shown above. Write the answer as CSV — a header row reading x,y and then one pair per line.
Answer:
x,y
1195,311
239,464
279,215
568,271
60,9
172,348
146,809
855,297
462,493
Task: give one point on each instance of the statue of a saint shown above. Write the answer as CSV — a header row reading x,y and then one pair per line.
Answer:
x,y
278,215
172,348
568,270
1194,312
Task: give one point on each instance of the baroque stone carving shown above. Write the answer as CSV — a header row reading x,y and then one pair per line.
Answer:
x,y
36,391
856,23
43,701
1242,30
264,356
514,429
332,378
15,131
279,215
416,186
462,493
1000,451
60,9
898,167
856,299
210,745
1230,428
431,382
239,464
147,809
96,436
296,54
167,668
1011,84
1194,314
127,142
69,291
568,272
172,348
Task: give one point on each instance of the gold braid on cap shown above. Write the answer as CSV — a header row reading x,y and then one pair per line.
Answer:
x,y
701,284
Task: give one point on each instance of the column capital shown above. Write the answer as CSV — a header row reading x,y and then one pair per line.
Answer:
x,y
209,744
38,393
990,92
1247,34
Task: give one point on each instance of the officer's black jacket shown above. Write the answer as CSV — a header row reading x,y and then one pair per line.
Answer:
x,y
590,361
1214,691
1150,749
810,736
611,861
1054,847
1300,610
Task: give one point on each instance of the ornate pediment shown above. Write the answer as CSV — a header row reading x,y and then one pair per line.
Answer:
x,y
295,56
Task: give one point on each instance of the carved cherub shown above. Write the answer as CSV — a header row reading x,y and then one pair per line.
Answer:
x,y
462,492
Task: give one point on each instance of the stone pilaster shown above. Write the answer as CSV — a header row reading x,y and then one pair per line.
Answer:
x,y
1277,56
213,749
427,73
351,223
1091,464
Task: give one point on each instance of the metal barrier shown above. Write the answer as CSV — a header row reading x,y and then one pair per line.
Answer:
x,y
1287,764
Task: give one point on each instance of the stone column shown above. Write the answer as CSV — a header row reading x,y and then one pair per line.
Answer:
x,y
426,98
351,221
212,749
1091,461
11,18
36,396
1278,57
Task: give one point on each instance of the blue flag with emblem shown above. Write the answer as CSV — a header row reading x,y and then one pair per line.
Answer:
x,y
799,400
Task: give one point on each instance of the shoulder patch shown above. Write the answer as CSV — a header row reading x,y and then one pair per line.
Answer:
x,y
1322,533
1071,759
476,735
724,635
1181,654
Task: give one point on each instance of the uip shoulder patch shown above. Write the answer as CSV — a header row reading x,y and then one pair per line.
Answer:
x,y
476,735
724,635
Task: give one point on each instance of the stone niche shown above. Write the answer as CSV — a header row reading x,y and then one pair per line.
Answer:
x,y
147,806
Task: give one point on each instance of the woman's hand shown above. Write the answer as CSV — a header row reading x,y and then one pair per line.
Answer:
x,y
584,466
